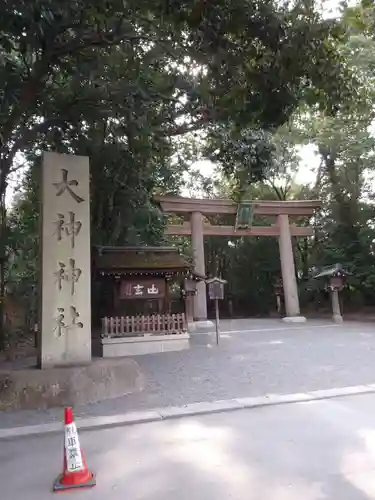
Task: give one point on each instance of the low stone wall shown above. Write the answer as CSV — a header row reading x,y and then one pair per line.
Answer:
x,y
147,344
41,389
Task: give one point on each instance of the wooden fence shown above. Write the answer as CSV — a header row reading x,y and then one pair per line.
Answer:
x,y
157,324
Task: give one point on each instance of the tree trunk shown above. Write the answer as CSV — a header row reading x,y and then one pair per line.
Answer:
x,y
3,239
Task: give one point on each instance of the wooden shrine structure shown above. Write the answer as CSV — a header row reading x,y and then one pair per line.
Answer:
x,y
133,286
196,214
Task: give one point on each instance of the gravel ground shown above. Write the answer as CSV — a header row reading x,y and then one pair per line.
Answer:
x,y
255,357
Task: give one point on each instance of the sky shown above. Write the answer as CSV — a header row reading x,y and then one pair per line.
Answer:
x,y
309,158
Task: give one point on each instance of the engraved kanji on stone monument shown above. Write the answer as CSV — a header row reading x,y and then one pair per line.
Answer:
x,y
65,312
75,315
61,326
69,273
70,227
64,185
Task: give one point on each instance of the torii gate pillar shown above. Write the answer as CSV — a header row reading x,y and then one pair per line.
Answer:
x,y
197,242
288,271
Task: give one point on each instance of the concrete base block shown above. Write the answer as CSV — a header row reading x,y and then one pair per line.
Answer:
x,y
68,386
192,327
203,324
294,319
337,318
148,344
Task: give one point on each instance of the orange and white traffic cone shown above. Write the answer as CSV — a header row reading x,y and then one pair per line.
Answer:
x,y
75,473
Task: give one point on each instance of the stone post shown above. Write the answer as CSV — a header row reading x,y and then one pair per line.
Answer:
x,y
336,310
288,271
65,284
197,241
189,309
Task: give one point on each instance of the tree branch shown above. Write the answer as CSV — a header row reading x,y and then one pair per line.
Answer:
x,y
30,134
95,39
28,95
185,129
18,167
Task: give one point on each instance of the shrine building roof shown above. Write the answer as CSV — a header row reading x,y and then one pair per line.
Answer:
x,y
141,260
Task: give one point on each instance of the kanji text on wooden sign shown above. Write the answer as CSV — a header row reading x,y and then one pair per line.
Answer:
x,y
142,289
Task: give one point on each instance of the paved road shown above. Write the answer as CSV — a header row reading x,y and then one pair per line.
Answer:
x,y
322,450
255,358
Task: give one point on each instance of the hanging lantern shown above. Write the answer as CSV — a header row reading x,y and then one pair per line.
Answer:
x,y
337,282
190,286
335,277
278,288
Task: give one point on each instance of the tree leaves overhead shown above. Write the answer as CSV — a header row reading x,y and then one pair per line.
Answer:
x,y
121,80
246,155
130,76
255,60
261,57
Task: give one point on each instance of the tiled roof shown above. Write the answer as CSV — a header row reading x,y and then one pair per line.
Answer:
x,y
335,270
143,258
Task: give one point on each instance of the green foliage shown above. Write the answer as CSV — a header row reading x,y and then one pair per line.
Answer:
x,y
248,63
245,155
123,82
346,146
23,248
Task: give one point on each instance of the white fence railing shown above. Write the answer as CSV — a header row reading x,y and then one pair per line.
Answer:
x,y
122,326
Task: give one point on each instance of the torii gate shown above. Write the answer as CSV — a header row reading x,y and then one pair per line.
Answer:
x,y
283,229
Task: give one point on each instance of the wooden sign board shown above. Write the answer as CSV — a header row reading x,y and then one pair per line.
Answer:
x,y
143,289
216,290
245,214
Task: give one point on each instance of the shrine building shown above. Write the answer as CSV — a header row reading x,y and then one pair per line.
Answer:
x,y
142,290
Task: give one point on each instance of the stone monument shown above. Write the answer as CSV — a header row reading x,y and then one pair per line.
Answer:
x,y
65,305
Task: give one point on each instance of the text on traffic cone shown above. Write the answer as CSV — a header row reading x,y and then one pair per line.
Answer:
x,y
75,473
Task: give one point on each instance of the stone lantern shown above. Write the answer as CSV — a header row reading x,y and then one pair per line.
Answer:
x,y
190,286
335,282
279,292
188,291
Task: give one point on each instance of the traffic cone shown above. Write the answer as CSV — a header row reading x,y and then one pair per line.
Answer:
x,y
75,472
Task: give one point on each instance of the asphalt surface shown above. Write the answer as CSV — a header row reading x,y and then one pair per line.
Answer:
x,y
256,357
321,450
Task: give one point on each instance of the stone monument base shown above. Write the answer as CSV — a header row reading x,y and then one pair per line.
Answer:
x,y
294,319
147,344
68,386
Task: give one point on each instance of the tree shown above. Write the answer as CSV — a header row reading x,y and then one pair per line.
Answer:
x,y
360,19
346,146
43,43
23,248
238,63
